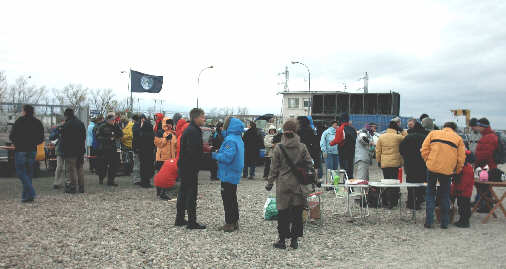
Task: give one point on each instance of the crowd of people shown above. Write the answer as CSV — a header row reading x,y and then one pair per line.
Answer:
x,y
426,153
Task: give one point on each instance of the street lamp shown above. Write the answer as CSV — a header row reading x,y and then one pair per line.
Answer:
x,y
309,85
198,81
131,95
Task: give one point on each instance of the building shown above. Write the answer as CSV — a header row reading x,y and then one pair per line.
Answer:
x,y
326,106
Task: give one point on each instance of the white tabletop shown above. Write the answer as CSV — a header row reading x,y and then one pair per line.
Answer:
x,y
379,184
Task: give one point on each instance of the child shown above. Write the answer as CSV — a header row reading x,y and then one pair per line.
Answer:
x,y
462,190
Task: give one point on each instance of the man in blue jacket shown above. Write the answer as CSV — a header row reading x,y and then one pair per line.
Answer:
x,y
331,152
230,159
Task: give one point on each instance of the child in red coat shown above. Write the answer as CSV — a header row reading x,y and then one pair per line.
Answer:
x,y
462,190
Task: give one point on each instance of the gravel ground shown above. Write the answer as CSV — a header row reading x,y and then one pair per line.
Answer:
x,y
127,227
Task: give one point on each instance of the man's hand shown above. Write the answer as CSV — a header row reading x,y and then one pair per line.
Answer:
x,y
268,187
169,137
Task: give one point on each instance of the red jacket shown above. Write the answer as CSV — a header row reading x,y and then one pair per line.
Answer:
x,y
180,128
486,147
339,138
464,188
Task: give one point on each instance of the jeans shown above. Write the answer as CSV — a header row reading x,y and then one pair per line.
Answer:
x,y
251,171
229,197
24,169
430,194
332,161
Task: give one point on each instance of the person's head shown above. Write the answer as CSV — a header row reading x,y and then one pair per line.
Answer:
x,y
345,117
272,130
473,123
412,123
397,121
371,126
99,118
135,118
289,128
303,122
28,110
69,113
333,124
169,124
252,125
393,125
428,124
423,116
483,124
198,117
110,119
452,125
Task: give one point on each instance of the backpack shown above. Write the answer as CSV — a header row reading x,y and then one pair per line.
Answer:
x,y
500,151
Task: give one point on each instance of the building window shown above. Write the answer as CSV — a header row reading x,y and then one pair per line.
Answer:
x,y
306,102
293,102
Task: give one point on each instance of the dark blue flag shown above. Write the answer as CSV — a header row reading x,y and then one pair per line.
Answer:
x,y
141,82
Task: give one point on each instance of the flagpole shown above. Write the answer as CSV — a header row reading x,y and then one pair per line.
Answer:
x,y
131,94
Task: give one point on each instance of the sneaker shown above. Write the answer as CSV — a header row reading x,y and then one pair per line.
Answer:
x,y
195,226
165,197
250,177
280,244
444,226
462,224
29,200
180,223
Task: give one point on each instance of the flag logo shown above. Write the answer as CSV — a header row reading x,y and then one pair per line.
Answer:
x,y
146,83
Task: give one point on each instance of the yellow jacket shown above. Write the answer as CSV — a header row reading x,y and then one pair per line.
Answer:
x,y
387,149
444,152
128,135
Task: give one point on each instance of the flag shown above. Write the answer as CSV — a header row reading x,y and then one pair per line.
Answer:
x,y
141,82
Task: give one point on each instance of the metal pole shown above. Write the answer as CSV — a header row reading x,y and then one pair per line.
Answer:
x,y
130,89
198,82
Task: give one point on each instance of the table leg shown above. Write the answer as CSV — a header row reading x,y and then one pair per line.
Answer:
x,y
499,201
498,204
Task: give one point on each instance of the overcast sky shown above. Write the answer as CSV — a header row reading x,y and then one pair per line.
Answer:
x,y
439,55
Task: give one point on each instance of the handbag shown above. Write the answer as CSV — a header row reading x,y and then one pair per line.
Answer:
x,y
304,175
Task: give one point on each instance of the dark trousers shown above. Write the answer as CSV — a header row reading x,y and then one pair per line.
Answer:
x,y
229,197
146,168
214,169
107,164
416,196
464,204
187,198
391,195
267,167
290,222
347,164
92,160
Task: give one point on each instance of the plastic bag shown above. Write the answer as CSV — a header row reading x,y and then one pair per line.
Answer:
x,y
167,176
270,209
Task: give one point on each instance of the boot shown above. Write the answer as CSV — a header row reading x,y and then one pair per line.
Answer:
x,y
463,224
294,243
70,189
181,222
280,244
227,228
195,226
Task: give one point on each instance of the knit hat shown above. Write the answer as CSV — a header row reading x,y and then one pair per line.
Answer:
x,y
483,122
428,124
345,117
290,125
473,122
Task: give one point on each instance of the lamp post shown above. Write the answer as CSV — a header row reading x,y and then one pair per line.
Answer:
x,y
309,85
198,81
131,95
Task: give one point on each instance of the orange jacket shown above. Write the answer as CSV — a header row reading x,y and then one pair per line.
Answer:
x,y
444,152
166,149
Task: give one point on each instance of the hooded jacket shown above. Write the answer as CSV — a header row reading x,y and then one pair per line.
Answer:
x,y
387,149
416,170
166,146
308,138
230,157
158,122
180,128
487,144
327,137
268,140
288,189
444,152
363,146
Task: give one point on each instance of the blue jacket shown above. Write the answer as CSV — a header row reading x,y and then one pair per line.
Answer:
x,y
89,134
327,136
230,157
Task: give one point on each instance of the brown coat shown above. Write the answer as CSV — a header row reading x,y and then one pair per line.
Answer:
x,y
387,149
288,190
166,149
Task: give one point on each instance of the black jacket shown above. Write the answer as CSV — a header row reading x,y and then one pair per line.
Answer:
x,y
308,138
135,136
347,150
104,134
145,139
253,142
416,171
73,138
26,134
191,152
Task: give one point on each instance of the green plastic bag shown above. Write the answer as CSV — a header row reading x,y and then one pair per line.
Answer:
x,y
270,209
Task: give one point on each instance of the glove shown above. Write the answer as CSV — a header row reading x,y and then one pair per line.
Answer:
x,y
318,184
169,137
268,187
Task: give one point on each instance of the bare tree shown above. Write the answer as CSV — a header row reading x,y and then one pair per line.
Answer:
x,y
3,86
226,111
23,93
242,111
101,100
73,95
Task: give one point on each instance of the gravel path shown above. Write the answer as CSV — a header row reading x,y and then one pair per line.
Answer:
x,y
127,227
